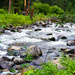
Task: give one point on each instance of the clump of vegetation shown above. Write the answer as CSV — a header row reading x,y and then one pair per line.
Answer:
x,y
12,70
51,69
24,65
46,9
2,11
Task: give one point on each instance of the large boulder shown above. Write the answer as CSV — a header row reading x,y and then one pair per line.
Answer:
x,y
34,51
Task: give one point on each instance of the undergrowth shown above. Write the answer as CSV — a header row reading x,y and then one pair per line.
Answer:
x,y
51,69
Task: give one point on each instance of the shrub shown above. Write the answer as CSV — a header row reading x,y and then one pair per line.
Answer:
x,y
56,9
2,11
41,8
46,9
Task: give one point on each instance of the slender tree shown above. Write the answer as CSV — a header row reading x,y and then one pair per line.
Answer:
x,y
9,5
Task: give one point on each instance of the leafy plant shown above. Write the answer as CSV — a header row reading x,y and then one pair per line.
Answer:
x,y
24,65
29,56
12,70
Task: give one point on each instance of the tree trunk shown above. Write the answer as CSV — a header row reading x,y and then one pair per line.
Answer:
x,y
9,5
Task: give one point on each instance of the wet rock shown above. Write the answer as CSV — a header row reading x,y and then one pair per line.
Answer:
x,y
18,60
71,43
14,48
13,53
37,29
7,58
49,34
17,67
34,51
2,30
52,39
46,22
49,39
37,23
61,37
19,30
68,50
6,64
23,55
43,24
49,22
13,30
38,62
19,27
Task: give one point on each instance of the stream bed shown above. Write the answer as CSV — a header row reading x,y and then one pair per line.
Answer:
x,y
49,39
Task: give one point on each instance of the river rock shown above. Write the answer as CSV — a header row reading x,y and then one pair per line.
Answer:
x,y
71,43
37,29
6,64
17,67
23,55
18,60
43,24
49,22
52,39
13,53
8,58
2,30
14,48
34,51
38,62
49,34
68,50
61,37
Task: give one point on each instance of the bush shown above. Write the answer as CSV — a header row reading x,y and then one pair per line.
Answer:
x,y
46,9
2,11
14,19
41,8
55,9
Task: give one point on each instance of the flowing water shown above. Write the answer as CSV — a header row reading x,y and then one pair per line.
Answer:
x,y
30,37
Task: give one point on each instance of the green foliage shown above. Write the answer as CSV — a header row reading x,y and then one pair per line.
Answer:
x,y
51,69
28,56
12,70
15,19
41,8
2,11
46,9
24,65
56,9
69,64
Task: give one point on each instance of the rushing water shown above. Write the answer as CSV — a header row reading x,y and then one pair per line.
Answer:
x,y
31,37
